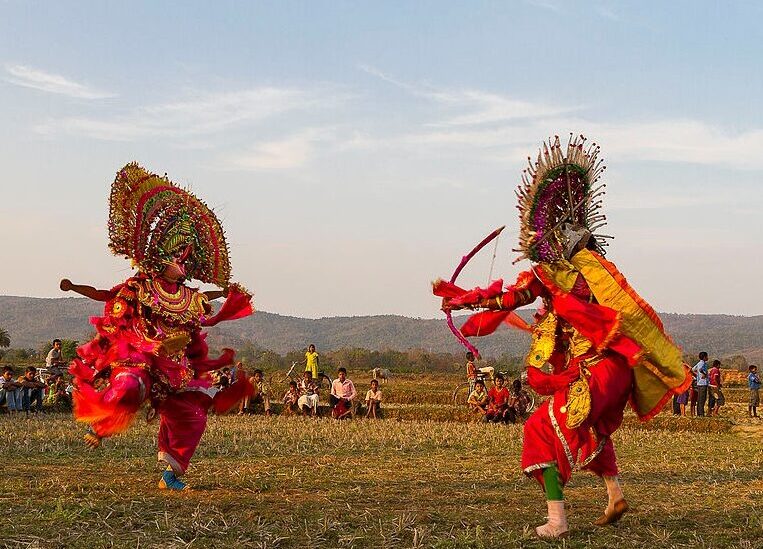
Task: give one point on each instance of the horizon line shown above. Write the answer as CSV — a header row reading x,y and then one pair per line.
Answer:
x,y
398,314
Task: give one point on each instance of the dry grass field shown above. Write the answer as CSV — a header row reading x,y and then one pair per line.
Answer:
x,y
428,476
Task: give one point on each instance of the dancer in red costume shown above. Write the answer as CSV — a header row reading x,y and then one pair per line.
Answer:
x,y
149,346
596,344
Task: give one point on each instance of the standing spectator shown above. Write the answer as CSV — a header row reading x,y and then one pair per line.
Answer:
x,y
498,401
290,399
714,382
478,398
9,391
343,393
54,362
31,390
373,399
471,371
693,396
311,361
260,395
308,400
237,367
700,372
682,400
753,382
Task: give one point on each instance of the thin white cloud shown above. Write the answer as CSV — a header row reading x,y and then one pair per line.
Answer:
x,y
548,5
476,107
29,77
663,140
279,154
186,119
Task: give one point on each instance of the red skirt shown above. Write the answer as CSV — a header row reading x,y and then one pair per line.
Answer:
x,y
183,420
548,441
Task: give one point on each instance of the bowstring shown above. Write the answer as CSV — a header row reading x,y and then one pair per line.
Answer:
x,y
490,273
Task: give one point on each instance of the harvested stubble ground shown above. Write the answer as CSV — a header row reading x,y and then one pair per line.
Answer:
x,y
296,482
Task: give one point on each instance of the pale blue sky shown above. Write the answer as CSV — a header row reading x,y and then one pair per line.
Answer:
x,y
355,150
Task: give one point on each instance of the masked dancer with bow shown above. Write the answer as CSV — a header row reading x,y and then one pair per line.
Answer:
x,y
596,344
149,346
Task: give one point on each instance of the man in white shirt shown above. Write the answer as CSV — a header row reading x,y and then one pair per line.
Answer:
x,y
54,362
701,380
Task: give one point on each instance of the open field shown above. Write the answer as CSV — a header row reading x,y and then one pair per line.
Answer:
x,y
296,482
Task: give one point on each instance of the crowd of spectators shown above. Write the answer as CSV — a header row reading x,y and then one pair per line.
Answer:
x,y
499,404
303,395
29,393
706,389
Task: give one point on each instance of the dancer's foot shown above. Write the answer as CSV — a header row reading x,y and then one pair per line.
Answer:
x,y
613,514
92,440
170,482
556,526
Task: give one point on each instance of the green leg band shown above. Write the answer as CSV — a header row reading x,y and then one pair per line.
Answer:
x,y
552,484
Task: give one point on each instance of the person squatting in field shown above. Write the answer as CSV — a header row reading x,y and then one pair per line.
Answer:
x,y
149,346
596,344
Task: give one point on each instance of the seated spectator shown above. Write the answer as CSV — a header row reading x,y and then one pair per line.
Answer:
x,y
290,399
343,393
478,398
373,400
261,395
31,391
221,378
519,401
10,391
498,401
308,400
57,391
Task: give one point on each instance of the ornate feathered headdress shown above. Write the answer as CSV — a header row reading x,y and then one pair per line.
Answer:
x,y
151,220
558,201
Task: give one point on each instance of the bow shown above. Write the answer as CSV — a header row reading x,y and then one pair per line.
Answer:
x,y
464,260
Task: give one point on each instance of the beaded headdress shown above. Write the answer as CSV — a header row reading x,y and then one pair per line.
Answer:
x,y
559,201
152,220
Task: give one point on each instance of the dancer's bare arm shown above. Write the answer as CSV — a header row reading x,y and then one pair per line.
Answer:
x,y
214,294
88,291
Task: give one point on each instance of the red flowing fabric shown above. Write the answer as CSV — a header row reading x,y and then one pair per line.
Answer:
x,y
484,323
226,399
238,304
111,411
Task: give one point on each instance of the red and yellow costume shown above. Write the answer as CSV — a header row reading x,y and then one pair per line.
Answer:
x,y
149,346
596,344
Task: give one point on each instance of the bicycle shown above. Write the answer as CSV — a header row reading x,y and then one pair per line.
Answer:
x,y
461,392
282,380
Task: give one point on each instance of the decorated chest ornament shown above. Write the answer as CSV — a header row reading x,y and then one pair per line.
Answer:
x,y
559,202
155,223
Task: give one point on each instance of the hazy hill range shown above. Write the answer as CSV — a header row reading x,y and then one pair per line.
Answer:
x,y
32,321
